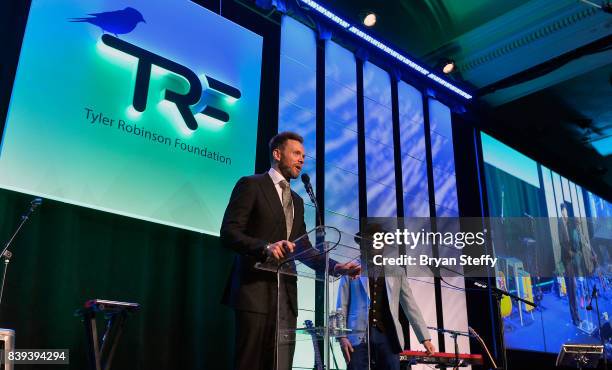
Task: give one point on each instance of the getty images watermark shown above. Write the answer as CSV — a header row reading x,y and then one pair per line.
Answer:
x,y
412,239
481,247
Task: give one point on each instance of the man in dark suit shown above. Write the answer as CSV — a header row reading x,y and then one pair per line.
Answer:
x,y
567,226
261,219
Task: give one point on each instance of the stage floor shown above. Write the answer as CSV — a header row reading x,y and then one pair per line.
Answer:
x,y
550,326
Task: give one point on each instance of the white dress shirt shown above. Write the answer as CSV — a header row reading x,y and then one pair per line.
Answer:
x,y
276,179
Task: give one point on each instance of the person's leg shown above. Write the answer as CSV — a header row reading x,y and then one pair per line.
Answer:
x,y
571,297
580,290
250,340
375,339
287,325
387,357
359,358
286,346
269,351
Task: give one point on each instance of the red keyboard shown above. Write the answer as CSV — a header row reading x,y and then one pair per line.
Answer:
x,y
440,358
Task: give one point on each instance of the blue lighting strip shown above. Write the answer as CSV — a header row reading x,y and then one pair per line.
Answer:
x,y
372,41
334,18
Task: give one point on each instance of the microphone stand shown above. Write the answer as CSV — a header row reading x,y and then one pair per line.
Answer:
x,y
313,199
320,240
595,295
8,254
498,294
454,334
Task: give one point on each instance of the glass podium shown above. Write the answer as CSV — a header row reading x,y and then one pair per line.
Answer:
x,y
321,297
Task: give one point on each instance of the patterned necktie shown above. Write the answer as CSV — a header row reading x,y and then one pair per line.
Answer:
x,y
287,205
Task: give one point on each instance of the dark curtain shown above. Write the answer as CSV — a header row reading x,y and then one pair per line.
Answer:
x,y
67,254
519,196
530,241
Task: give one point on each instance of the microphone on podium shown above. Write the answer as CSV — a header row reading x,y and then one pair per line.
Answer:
x,y
311,194
35,203
308,186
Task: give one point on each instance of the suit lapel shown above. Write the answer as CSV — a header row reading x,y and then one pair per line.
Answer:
x,y
298,213
365,284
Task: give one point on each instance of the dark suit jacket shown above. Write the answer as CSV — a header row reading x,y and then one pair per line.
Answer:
x,y
254,217
569,255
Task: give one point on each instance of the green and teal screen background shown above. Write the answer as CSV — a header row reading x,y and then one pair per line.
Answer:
x,y
56,143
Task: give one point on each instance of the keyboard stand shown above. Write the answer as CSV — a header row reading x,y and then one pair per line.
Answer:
x,y
115,314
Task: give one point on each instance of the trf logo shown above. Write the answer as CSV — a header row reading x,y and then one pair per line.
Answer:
x,y
147,59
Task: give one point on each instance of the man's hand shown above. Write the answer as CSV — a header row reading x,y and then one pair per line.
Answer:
x,y
352,269
594,257
347,348
429,347
280,249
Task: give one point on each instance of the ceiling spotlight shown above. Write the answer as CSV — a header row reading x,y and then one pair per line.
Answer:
x,y
448,66
369,19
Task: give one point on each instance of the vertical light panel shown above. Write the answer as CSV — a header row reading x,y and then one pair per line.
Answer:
x,y
297,96
566,191
572,196
558,192
551,208
341,172
580,195
549,191
380,167
576,200
443,160
415,194
454,308
296,112
412,142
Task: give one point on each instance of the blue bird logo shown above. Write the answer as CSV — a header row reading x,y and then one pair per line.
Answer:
x,y
117,22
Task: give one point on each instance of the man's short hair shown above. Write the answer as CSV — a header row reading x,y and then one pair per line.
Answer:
x,y
279,141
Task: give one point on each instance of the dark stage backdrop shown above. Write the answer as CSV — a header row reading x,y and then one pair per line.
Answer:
x,y
66,255
519,196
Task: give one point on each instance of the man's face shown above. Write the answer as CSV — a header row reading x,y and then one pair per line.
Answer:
x,y
564,212
290,159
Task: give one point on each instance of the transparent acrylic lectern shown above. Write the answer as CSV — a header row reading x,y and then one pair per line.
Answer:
x,y
322,317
